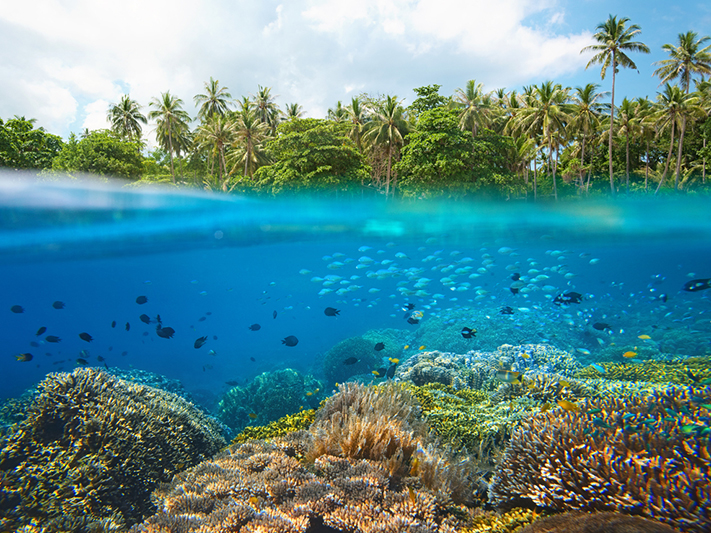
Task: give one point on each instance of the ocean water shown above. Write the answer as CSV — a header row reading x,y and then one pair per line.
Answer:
x,y
212,265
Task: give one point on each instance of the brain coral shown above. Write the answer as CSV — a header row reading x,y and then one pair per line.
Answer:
x,y
92,449
642,455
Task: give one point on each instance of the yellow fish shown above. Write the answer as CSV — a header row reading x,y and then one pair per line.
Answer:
x,y
415,466
413,496
375,373
525,356
564,383
545,407
568,406
422,347
309,393
253,500
508,376
406,347
394,360
629,355
644,337
252,415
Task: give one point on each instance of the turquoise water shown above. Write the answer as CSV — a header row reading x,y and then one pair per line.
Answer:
x,y
212,265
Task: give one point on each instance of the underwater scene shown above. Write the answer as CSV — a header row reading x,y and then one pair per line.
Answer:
x,y
194,362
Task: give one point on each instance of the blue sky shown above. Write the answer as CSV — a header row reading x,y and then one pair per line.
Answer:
x,y
64,62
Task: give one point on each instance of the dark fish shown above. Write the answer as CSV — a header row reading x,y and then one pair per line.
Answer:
x,y
379,346
58,305
252,359
468,333
17,309
663,297
113,324
82,362
40,331
506,310
290,341
408,307
111,348
514,290
390,372
516,276
255,327
128,326
200,342
124,354
141,300
274,314
330,311
232,383
145,334
568,298
696,285
145,319
601,326
24,357
52,338
100,359
202,319
86,337
208,313
158,319
214,337
34,344
165,333
351,361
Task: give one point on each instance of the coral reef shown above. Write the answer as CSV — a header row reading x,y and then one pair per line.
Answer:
x,y
367,464
91,450
694,371
606,522
642,455
480,520
268,397
335,366
278,428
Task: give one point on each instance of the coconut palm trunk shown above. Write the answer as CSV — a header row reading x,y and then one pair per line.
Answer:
x,y
666,165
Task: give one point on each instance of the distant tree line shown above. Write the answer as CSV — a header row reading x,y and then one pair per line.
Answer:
x,y
548,140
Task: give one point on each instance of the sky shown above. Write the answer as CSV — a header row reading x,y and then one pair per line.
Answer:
x,y
64,62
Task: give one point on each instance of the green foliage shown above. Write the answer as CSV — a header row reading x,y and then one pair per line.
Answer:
x,y
24,147
314,154
103,153
428,98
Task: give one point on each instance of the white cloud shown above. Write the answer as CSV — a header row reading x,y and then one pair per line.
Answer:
x,y
95,115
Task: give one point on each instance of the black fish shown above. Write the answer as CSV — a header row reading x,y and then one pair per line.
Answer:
x,y
52,338
568,298
506,310
145,334
214,337
379,346
141,300
34,344
124,354
17,309
516,276
232,383
208,313
255,327
128,326
113,324
274,314
199,342
158,319
696,285
468,333
100,359
601,326
40,331
351,361
24,357
290,341
202,319
514,290
145,319
86,337
330,311
380,372
408,307
390,373
165,333
412,320
82,362
252,359
58,305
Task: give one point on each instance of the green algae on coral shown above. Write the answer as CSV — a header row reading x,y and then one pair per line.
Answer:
x,y
692,371
286,424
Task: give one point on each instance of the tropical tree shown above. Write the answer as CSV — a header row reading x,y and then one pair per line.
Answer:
x,y
338,113
103,153
215,101
266,107
293,111
250,134
585,117
215,135
614,40
645,124
388,128
627,126
126,118
357,118
172,120
22,146
686,59
476,107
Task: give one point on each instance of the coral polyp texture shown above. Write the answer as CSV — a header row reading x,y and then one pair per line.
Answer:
x,y
365,465
92,449
605,522
639,455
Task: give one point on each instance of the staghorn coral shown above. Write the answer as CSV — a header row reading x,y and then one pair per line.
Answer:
x,y
362,349
92,449
268,397
485,521
605,522
643,455
691,371
286,424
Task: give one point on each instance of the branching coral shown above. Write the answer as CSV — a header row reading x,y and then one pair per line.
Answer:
x,y
639,455
92,449
605,522
278,428
693,371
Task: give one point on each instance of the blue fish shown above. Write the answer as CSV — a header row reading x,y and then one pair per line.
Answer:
x,y
599,368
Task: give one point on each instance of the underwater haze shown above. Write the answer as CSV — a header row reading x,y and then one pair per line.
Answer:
x,y
76,257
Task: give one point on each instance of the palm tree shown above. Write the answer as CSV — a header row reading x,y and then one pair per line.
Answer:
x,y
266,107
585,116
670,111
214,135
172,119
358,118
338,113
475,105
703,88
627,124
250,133
388,128
126,118
645,124
293,111
614,39
215,101
547,114
686,60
